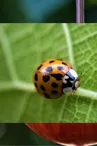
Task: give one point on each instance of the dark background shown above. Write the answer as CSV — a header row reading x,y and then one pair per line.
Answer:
x,y
45,11
91,11
20,134
37,11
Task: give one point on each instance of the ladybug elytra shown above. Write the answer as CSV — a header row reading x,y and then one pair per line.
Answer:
x,y
55,77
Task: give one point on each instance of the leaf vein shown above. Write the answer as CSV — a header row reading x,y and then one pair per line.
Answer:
x,y
7,53
69,43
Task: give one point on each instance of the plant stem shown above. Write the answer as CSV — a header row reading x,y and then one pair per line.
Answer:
x,y
80,11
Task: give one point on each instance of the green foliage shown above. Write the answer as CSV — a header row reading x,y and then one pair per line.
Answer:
x,y
92,1
23,47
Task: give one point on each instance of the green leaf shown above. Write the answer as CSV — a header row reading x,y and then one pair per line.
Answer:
x,y
23,47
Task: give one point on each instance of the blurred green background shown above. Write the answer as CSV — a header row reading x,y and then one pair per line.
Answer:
x,y
45,11
91,11
19,134
37,11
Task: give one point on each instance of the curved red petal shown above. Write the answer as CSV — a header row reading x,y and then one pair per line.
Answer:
x,y
66,133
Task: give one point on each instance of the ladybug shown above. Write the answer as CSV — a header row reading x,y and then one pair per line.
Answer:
x,y
55,77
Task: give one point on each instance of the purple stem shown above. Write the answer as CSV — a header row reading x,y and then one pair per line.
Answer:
x,y
80,11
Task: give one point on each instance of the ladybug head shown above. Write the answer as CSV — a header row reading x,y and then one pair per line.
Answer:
x,y
70,81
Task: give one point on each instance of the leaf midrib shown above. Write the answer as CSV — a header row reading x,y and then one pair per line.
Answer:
x,y
19,85
16,84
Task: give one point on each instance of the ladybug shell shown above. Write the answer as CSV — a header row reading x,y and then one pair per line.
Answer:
x,y
48,77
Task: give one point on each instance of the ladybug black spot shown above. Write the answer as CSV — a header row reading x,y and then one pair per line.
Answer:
x,y
55,85
51,61
57,76
46,95
46,78
60,68
54,92
39,67
36,77
64,63
35,85
49,69
42,87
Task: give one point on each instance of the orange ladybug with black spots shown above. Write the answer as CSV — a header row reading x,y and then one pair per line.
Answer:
x,y
55,77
